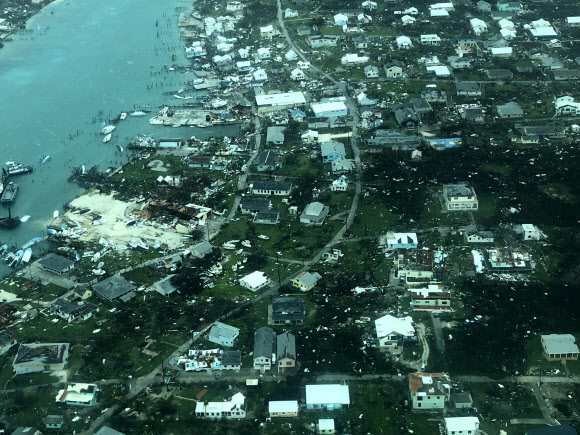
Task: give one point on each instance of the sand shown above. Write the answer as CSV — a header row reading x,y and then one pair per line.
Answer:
x,y
116,213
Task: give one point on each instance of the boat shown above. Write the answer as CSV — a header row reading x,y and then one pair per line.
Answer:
x,y
100,265
138,113
263,237
45,159
10,192
119,148
51,231
234,267
108,129
123,116
229,246
24,218
9,257
247,244
55,214
17,257
107,138
18,168
26,256
3,248
78,256
32,242
8,223
98,272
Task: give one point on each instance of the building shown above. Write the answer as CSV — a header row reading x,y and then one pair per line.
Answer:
x,y
41,357
567,105
336,108
283,408
474,235
382,139
429,390
56,264
297,74
271,187
267,217
276,102
255,205
53,421
327,396
6,342
78,395
26,430
286,311
332,150
314,214
560,347
326,426
563,429
510,110
268,161
223,334
404,43
339,185
320,41
394,70
460,196
483,6
115,287
506,260
255,281
462,400
392,332
268,32
285,351
234,408
213,359
501,51
531,232
402,241
433,298
305,280
431,39
573,21
264,348
468,89
478,26
461,425
73,310
275,135
341,166
371,72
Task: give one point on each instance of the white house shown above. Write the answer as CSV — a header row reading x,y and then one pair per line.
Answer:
x,y
433,39
368,4
255,281
411,11
353,59
297,74
223,334
283,408
268,32
461,425
531,232
340,185
478,26
560,347
233,6
501,51
391,331
408,20
260,75
567,105
402,240
233,408
340,20
459,196
264,53
573,21
326,426
78,395
327,397
404,43
371,72
429,390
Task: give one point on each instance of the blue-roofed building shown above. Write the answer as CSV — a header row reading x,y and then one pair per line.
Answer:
x,y
298,115
332,150
442,144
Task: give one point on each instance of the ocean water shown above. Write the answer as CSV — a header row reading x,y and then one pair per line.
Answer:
x,y
81,63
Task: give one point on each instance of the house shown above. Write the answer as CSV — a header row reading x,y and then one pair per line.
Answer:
x,y
408,20
334,108
267,217
459,62
26,430
303,30
271,187
283,408
567,105
365,100
316,123
473,114
264,53
573,21
297,74
164,286
340,20
319,41
244,66
460,196
6,341
433,298
360,41
340,185
542,29
391,139
314,214
404,43
235,408
326,426
430,39
268,161
353,59
478,26
565,74
368,4
433,96
560,347
501,51
394,70
286,311
201,250
73,310
341,166
337,121
56,264
475,235
531,232
393,331
468,89
510,110
371,72
78,395
41,357
311,136
402,241
298,115
462,400
461,425
332,150
439,70
506,260
276,102
264,348
509,6
305,280
233,6
115,287
285,351
213,359
53,421
223,334
254,205
327,396
255,281
260,75
268,32
429,390
483,6
438,13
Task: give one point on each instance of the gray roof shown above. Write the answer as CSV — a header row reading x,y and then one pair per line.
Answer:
x,y
267,216
510,108
264,342
53,419
309,279
201,249
267,157
114,287
332,146
560,343
459,189
315,211
261,204
35,354
232,358
275,134
467,86
288,308
500,73
563,429
286,346
219,330
272,185
106,430
421,105
55,262
26,431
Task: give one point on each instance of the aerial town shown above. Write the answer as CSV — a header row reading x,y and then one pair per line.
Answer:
x,y
388,246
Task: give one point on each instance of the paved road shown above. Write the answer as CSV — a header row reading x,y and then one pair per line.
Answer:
x,y
438,332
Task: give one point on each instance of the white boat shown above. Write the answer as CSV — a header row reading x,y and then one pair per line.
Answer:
x,y
107,138
98,272
27,255
96,257
123,116
247,244
108,129
55,214
24,218
17,257
119,148
138,113
32,242
229,246
45,159
235,267
263,237
100,265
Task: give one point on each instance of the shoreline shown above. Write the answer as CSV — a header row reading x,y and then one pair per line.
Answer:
x,y
21,22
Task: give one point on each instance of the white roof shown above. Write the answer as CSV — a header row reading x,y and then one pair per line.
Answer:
x,y
403,40
393,238
541,23
266,29
439,13
447,5
505,23
461,423
388,324
283,99
560,343
528,227
255,279
283,406
408,19
501,50
326,424
263,50
326,394
440,70
573,20
543,32
476,22
328,107
77,393
508,32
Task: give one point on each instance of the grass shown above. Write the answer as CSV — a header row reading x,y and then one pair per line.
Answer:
x,y
434,217
373,217
506,402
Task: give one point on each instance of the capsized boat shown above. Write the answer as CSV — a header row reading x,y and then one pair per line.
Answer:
x,y
119,148
27,255
138,113
108,129
45,159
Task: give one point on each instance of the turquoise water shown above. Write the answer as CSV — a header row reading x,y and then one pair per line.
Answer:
x,y
81,63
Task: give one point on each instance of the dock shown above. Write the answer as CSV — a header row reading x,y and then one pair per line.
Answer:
x,y
208,84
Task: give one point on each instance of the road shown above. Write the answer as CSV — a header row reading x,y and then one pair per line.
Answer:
x,y
438,332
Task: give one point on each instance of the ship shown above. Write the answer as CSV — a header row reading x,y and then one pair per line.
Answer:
x,y
18,168
10,193
8,223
